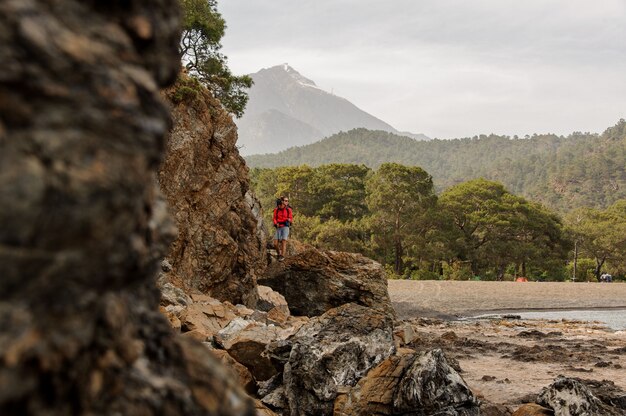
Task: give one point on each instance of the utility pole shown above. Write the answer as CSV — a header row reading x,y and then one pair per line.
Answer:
x,y
575,259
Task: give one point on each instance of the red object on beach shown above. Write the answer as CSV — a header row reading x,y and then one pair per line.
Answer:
x,y
521,279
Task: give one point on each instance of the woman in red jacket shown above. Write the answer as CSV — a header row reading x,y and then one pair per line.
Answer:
x,y
283,218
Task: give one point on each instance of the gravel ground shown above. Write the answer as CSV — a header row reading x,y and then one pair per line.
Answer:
x,y
413,298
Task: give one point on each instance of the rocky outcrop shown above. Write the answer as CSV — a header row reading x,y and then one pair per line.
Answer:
x,y
410,383
329,353
220,249
314,281
81,132
571,397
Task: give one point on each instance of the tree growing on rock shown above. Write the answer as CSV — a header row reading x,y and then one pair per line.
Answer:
x,y
203,28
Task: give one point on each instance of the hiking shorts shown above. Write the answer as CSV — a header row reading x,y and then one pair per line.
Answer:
x,y
281,233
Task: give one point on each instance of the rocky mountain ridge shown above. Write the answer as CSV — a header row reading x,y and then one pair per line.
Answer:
x,y
286,109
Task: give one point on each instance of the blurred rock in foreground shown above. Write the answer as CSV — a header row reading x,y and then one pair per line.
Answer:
x,y
81,135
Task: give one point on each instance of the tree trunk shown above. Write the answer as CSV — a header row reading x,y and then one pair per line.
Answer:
x,y
599,264
397,245
501,269
398,253
524,269
575,260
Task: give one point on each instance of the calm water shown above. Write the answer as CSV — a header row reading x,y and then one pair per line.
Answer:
x,y
612,318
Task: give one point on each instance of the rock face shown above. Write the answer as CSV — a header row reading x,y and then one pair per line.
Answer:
x,y
220,249
314,281
410,383
570,397
81,132
332,352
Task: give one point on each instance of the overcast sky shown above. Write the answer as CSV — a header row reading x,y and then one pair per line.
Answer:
x,y
448,68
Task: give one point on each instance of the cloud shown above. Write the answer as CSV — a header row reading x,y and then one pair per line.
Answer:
x,y
448,68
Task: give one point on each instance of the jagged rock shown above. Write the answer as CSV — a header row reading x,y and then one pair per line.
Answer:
x,y
270,299
277,400
220,249
410,383
405,334
173,296
493,409
333,351
272,393
278,316
247,346
240,372
607,392
532,409
262,410
208,318
570,397
315,281
81,227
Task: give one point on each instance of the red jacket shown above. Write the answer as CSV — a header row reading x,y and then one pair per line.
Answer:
x,y
281,215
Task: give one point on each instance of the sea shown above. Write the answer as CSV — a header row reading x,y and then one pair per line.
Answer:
x,y
614,319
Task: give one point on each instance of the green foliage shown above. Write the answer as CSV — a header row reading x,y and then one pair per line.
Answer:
x,y
421,274
601,235
563,173
495,227
400,198
187,90
584,269
475,228
203,28
457,270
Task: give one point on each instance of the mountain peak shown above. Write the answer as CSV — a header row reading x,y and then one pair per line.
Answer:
x,y
286,69
286,109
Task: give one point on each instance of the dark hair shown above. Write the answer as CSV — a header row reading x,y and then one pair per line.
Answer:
x,y
279,202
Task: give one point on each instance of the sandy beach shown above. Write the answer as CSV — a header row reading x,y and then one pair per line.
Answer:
x,y
508,361
462,298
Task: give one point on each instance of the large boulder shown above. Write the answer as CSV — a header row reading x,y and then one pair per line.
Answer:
x,y
410,383
207,318
239,371
220,249
314,281
247,345
332,352
570,397
82,127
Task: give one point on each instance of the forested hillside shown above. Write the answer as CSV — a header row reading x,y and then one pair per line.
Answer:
x,y
473,229
580,170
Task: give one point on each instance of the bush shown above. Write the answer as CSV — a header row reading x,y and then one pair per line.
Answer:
x,y
458,270
423,275
390,273
584,270
186,90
